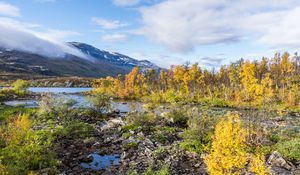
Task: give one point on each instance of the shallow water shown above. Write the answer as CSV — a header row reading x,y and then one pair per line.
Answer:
x,y
57,90
102,162
71,94
25,103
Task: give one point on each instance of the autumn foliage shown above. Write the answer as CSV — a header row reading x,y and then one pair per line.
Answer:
x,y
269,81
229,154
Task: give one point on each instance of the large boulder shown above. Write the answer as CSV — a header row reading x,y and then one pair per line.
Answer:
x,y
278,165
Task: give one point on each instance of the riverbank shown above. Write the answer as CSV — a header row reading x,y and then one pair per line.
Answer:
x,y
6,79
136,138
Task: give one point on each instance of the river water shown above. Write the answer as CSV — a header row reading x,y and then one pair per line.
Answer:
x,y
74,94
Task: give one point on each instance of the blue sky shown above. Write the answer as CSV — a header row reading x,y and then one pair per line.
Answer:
x,y
164,31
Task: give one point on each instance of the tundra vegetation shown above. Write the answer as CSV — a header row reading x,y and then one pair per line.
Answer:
x,y
241,119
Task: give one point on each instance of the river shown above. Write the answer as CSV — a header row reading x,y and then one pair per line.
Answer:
x,y
74,94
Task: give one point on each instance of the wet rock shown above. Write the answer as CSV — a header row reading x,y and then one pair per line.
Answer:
x,y
116,111
86,159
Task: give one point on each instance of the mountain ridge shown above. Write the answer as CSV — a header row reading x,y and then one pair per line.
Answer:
x,y
99,63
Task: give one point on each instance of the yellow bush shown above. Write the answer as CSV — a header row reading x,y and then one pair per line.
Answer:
x,y
18,129
228,155
257,165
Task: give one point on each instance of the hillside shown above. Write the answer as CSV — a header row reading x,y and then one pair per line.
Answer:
x,y
97,64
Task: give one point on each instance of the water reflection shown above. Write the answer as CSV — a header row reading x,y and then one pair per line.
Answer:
x,y
102,162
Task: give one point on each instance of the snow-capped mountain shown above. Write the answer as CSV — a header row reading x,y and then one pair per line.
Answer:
x,y
97,63
112,57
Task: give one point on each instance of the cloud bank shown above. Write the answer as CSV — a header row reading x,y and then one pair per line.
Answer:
x,y
25,37
183,25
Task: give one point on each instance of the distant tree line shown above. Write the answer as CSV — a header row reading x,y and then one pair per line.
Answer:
x,y
269,81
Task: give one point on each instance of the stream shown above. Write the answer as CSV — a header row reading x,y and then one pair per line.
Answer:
x,y
74,94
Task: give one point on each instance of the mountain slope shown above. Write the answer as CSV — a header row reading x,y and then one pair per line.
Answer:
x,y
100,64
114,58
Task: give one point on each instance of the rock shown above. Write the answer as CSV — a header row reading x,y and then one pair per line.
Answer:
x,y
197,165
124,155
148,152
296,171
86,159
96,144
128,141
141,134
147,142
164,114
117,121
103,124
116,111
279,166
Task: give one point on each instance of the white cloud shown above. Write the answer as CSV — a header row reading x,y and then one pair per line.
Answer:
x,y
26,37
125,2
114,37
9,10
183,25
108,24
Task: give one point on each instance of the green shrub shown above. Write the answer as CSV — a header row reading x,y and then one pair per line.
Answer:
x,y
160,137
289,149
216,102
162,171
130,145
75,128
178,116
56,108
8,112
145,120
171,96
132,172
24,149
100,101
163,134
130,127
126,135
159,152
192,146
154,98
199,133
200,126
20,87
